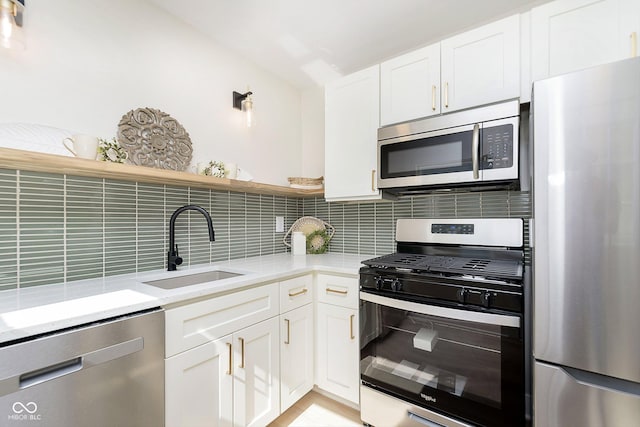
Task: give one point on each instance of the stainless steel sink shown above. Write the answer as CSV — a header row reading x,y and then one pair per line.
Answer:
x,y
192,279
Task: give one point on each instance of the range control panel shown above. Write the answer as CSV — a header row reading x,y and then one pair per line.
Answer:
x,y
452,228
497,147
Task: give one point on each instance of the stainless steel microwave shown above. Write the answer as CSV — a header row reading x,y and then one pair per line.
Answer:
x,y
476,147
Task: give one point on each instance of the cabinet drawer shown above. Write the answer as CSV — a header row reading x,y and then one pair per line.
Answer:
x,y
195,324
296,292
337,290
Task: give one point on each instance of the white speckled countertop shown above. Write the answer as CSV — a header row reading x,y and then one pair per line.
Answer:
x,y
35,310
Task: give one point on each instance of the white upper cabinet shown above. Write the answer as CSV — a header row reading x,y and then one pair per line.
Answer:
x,y
474,68
568,35
352,110
410,86
482,65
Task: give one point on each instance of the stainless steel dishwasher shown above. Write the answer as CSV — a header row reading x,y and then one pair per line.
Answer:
x,y
103,374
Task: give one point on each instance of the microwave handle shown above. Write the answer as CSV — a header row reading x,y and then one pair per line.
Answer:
x,y
475,146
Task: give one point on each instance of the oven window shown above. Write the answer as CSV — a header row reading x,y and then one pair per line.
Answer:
x,y
427,156
424,357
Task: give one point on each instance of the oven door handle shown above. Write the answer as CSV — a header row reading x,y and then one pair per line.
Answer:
x,y
452,313
422,420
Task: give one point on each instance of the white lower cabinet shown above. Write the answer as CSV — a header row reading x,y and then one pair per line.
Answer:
x,y
256,374
337,351
199,387
296,355
233,381
258,361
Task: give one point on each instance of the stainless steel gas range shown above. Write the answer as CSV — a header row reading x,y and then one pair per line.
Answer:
x,y
444,326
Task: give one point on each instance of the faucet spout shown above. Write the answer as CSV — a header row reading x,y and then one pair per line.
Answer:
x,y
173,257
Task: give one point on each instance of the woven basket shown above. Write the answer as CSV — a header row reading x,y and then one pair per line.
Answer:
x,y
305,181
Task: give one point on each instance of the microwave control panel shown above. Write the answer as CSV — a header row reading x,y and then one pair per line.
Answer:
x,y
497,147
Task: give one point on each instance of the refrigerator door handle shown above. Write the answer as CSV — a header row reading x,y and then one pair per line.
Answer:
x,y
591,379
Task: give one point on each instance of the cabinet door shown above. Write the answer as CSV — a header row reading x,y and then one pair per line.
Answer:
x,y
569,35
296,355
199,386
256,386
410,86
351,136
337,351
482,65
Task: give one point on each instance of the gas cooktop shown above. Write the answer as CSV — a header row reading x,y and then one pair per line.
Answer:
x,y
472,266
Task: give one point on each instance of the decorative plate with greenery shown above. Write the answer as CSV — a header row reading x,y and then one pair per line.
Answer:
x,y
318,242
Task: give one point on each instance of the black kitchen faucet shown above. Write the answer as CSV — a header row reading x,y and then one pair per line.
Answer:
x,y
173,258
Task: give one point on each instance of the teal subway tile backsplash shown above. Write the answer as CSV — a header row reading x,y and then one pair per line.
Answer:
x,y
84,222
120,223
252,225
151,237
267,225
8,229
237,225
41,229
56,228
220,249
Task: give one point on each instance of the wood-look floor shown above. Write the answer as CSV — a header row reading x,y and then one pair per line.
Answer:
x,y
316,410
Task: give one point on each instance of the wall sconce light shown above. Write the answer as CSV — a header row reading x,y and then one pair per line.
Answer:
x,y
11,35
243,101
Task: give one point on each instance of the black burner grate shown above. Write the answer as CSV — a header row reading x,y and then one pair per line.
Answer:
x,y
487,268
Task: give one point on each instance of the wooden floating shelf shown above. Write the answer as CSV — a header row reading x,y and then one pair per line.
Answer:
x,y
41,162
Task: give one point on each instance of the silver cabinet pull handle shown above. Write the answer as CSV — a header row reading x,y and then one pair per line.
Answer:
x,y
475,146
288,340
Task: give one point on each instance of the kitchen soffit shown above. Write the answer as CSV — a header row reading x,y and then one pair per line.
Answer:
x,y
310,42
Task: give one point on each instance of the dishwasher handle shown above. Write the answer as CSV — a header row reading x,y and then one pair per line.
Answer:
x,y
59,369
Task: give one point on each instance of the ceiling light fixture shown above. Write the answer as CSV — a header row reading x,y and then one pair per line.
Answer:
x,y
11,35
243,102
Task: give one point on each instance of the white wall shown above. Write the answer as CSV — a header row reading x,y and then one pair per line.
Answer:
x,y
89,62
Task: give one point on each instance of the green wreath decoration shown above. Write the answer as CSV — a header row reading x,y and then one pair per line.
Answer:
x,y
318,242
111,151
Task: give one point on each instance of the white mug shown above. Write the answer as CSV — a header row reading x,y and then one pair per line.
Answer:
x,y
84,146
231,170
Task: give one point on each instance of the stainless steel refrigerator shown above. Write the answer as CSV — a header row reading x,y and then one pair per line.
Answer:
x,y
587,247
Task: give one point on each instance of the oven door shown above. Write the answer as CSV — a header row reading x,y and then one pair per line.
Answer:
x,y
463,364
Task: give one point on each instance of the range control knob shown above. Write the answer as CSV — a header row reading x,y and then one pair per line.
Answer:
x,y
378,282
462,295
486,299
396,285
